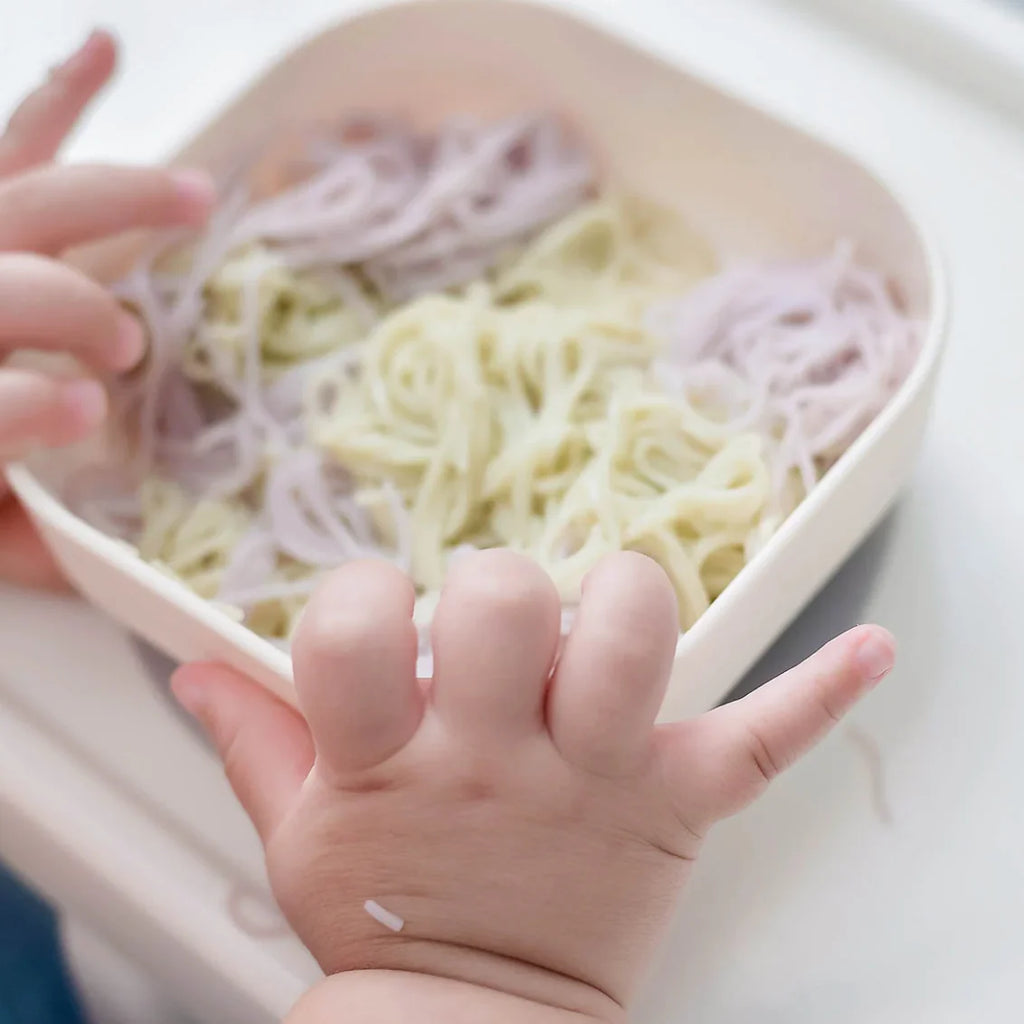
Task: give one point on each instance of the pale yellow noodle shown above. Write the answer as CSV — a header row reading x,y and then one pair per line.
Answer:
x,y
519,412
522,414
191,539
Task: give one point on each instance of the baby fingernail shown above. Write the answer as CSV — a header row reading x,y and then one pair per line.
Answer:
x,y
130,342
876,656
196,189
88,399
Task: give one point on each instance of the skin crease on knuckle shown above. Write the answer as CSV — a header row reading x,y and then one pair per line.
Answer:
x,y
768,766
822,686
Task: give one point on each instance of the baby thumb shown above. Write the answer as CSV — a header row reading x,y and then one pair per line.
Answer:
x,y
264,745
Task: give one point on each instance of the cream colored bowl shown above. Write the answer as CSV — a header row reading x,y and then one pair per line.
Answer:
x,y
754,186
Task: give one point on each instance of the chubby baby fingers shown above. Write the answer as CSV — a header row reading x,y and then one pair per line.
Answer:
x,y
56,207
37,410
48,114
50,306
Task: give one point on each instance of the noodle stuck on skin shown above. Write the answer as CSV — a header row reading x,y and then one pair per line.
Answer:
x,y
432,344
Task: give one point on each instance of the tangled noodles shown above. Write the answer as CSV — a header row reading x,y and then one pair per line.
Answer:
x,y
436,343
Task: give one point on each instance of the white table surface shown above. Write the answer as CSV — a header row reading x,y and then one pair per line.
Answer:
x,y
846,895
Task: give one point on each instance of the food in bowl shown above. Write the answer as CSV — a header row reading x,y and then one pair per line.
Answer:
x,y
425,344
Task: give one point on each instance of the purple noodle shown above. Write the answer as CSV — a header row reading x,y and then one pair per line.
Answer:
x,y
415,213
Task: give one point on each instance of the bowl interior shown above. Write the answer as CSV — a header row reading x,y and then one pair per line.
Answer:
x,y
753,186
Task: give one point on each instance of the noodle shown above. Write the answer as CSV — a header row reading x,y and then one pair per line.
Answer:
x,y
534,427
806,353
434,344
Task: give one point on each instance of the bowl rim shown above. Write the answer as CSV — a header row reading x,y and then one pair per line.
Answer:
x,y
120,556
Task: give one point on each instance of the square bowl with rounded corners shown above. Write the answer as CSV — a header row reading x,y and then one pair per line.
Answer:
x,y
754,186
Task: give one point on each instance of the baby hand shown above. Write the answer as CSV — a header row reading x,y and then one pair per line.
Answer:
x,y
518,828
46,304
